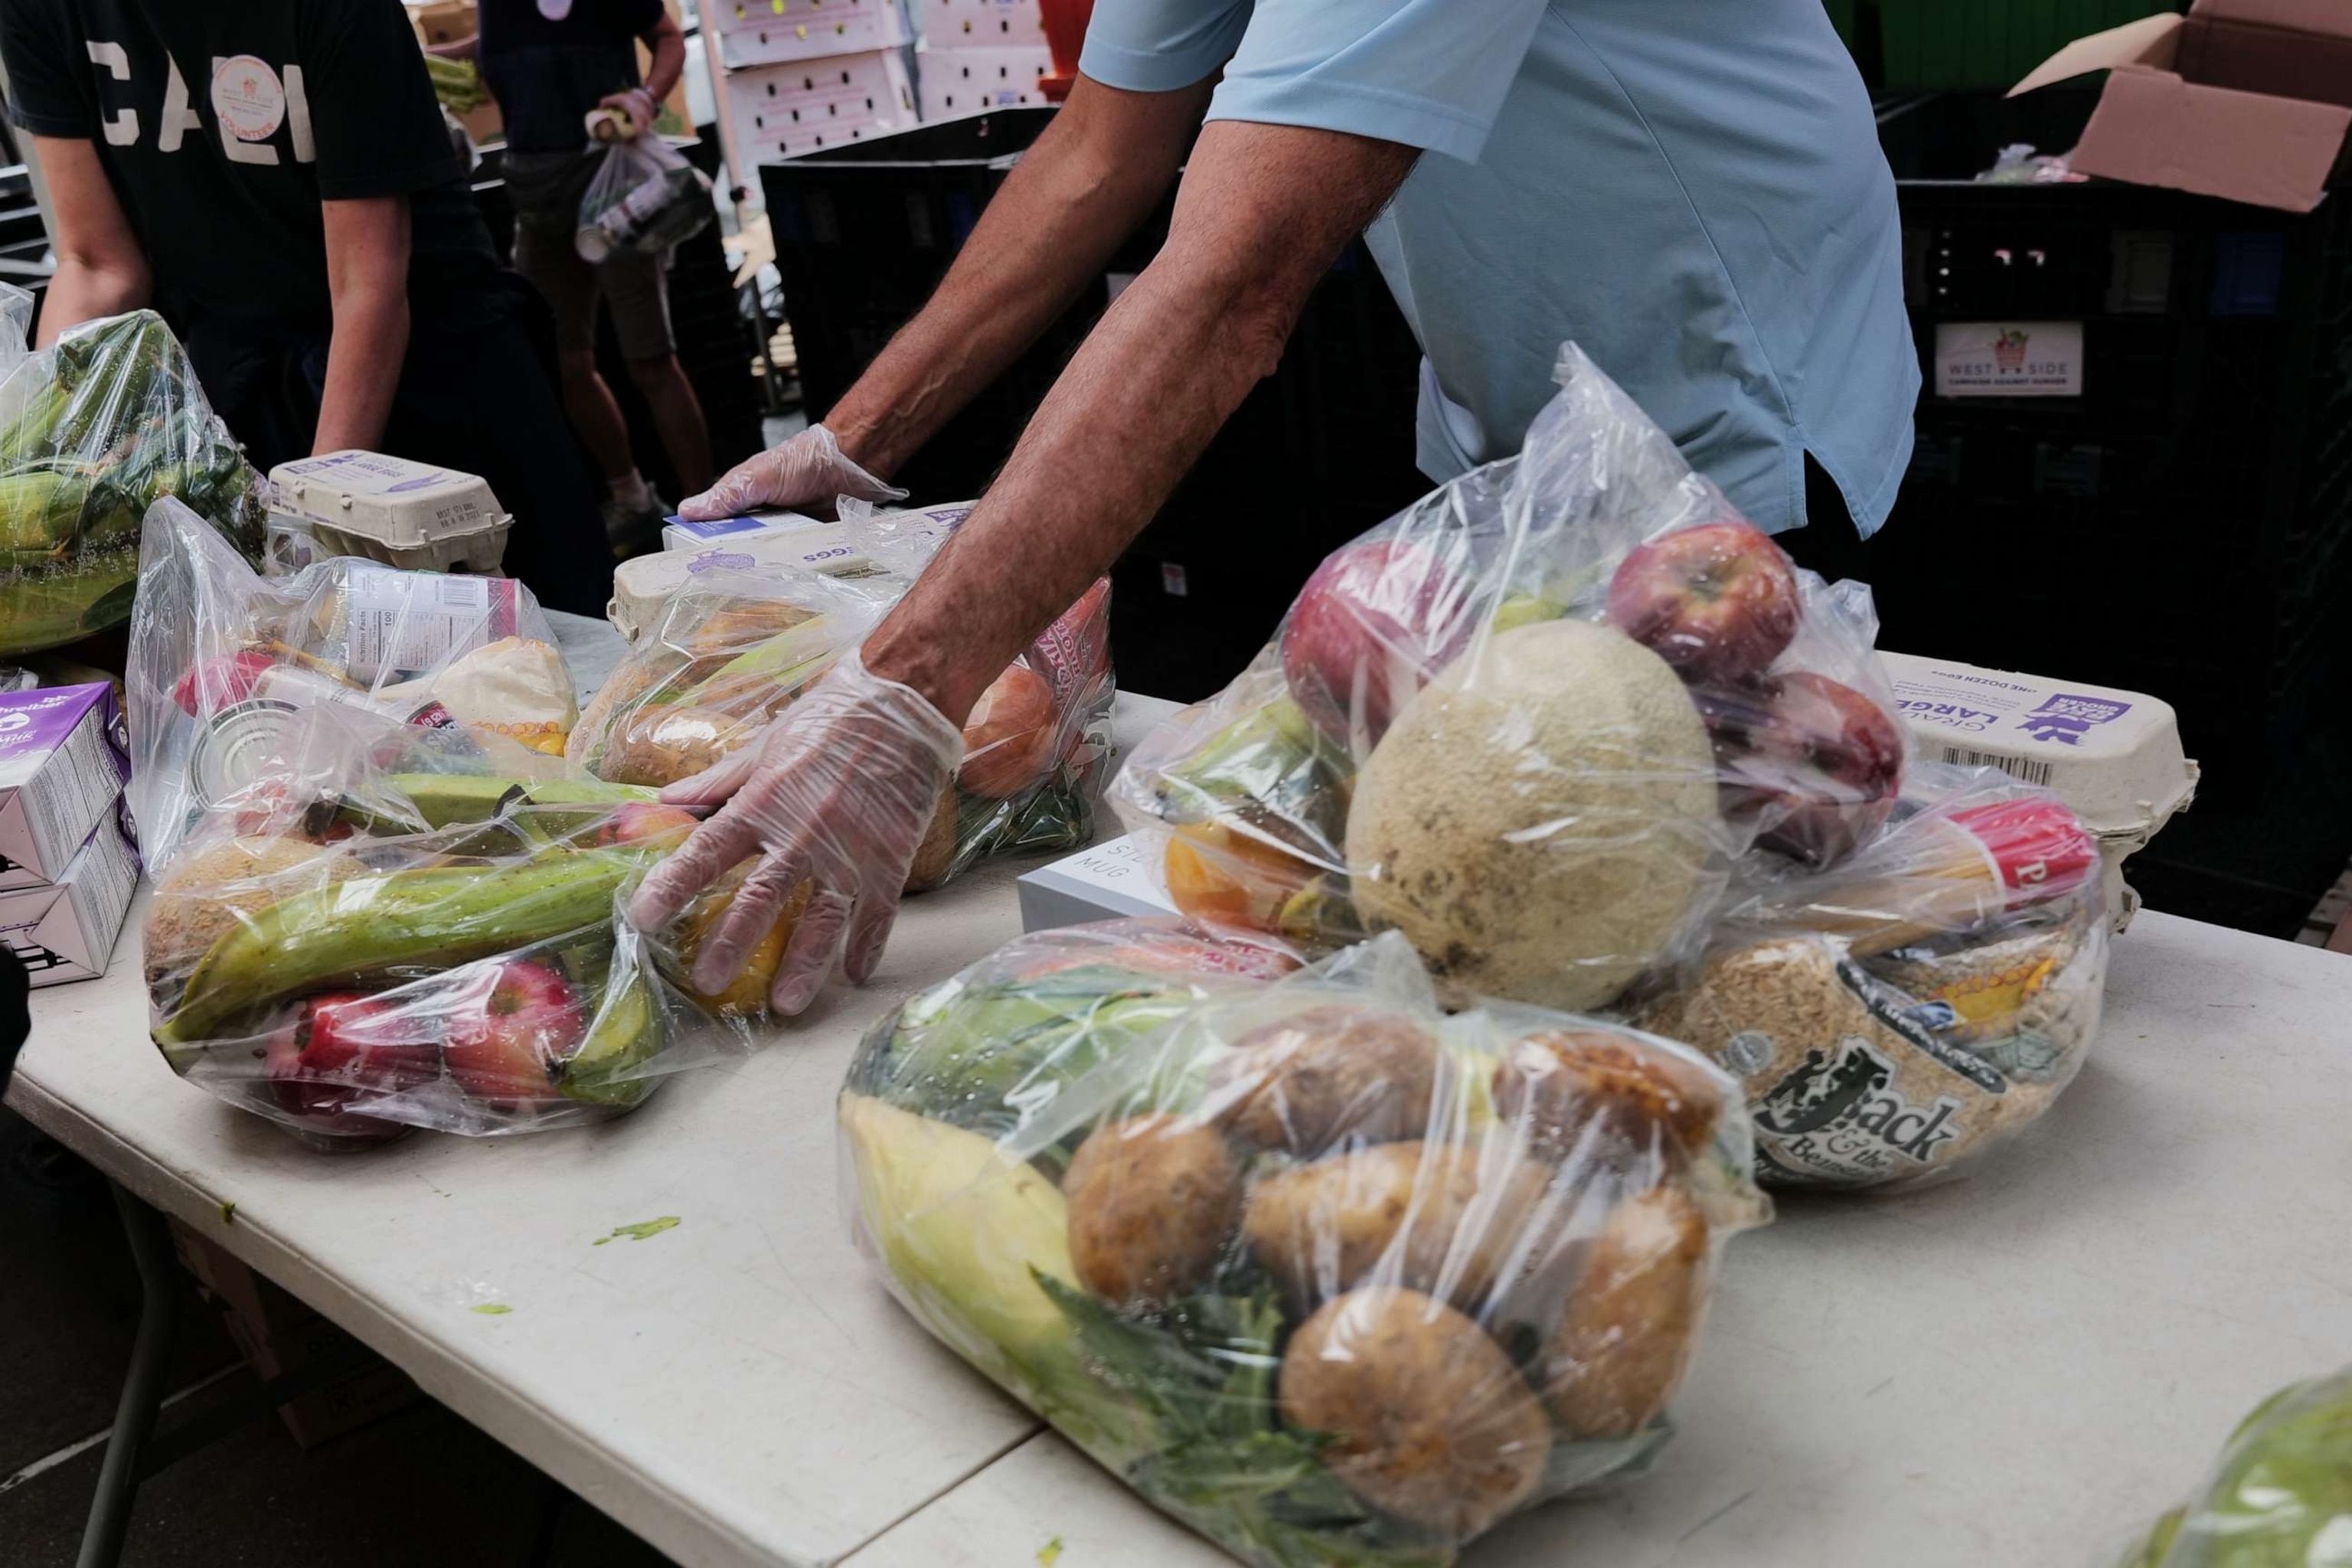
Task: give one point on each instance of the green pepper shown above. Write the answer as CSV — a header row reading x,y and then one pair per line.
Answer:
x,y
370,926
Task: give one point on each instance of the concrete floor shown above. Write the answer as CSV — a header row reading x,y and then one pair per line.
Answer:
x,y
420,1486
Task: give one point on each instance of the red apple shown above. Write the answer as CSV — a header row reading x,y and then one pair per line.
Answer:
x,y
643,822
345,1048
223,682
1371,627
1718,601
1008,741
1812,762
510,1030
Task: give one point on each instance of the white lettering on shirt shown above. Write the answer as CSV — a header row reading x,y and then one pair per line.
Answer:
x,y
122,129
179,118
298,117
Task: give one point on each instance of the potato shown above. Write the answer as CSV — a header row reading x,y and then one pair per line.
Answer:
x,y
661,744
1430,1216
1151,1202
1327,1076
1428,1418
1630,1326
1568,1087
935,856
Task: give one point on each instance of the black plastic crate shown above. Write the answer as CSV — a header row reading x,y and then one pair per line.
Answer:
x,y
2184,527
2180,527
1318,452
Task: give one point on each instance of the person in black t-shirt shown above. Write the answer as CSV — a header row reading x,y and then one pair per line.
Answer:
x,y
274,176
550,64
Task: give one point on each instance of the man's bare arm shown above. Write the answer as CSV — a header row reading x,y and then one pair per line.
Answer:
x,y
1263,213
667,44
367,276
1095,174
101,270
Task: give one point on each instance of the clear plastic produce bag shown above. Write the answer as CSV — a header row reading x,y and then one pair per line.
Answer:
x,y
1322,1271
2279,1496
253,699
644,196
93,431
352,985
1895,1016
1530,721
733,649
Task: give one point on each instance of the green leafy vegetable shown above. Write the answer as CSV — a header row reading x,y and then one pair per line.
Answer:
x,y
1203,1371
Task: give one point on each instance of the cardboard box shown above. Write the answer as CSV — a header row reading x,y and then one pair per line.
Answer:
x,y
63,759
692,533
641,587
277,1335
769,32
778,110
265,1308
1112,880
374,1389
65,931
2245,99
947,25
2114,757
972,81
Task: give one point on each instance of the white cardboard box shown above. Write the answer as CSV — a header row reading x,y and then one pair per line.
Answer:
x,y
971,81
978,23
62,762
765,32
689,534
66,931
781,110
1111,880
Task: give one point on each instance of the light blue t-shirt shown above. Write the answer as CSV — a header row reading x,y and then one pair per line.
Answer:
x,y
1692,190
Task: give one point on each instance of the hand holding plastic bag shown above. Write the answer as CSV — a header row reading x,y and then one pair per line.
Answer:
x,y
836,793
808,469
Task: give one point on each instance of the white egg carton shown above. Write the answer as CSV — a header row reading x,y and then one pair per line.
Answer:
x,y
2114,757
414,516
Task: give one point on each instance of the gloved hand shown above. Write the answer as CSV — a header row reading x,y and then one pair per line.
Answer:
x,y
638,104
836,791
809,467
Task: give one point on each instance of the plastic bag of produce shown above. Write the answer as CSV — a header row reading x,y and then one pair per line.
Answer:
x,y
1530,721
2280,1496
254,699
734,647
644,196
1327,1275
352,985
1893,1017
93,431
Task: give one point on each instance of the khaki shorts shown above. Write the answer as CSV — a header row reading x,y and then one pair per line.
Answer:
x,y
545,189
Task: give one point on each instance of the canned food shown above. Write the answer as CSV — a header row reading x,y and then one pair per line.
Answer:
x,y
237,747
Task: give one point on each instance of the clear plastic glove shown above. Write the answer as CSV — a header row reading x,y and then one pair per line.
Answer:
x,y
638,104
809,467
835,791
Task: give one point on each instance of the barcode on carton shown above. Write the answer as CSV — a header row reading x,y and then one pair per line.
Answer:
x,y
2025,770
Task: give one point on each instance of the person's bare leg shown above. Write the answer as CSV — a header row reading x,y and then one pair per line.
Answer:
x,y
678,416
589,403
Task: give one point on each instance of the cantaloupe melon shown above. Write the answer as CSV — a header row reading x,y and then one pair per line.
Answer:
x,y
1540,819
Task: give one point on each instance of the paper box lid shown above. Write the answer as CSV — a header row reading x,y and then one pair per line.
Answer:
x,y
2245,99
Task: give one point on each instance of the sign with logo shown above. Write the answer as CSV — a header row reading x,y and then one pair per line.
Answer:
x,y
2008,359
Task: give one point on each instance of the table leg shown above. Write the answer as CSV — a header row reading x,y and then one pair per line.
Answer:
x,y
143,1387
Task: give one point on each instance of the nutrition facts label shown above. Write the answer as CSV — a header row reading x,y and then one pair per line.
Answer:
x,y
406,623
